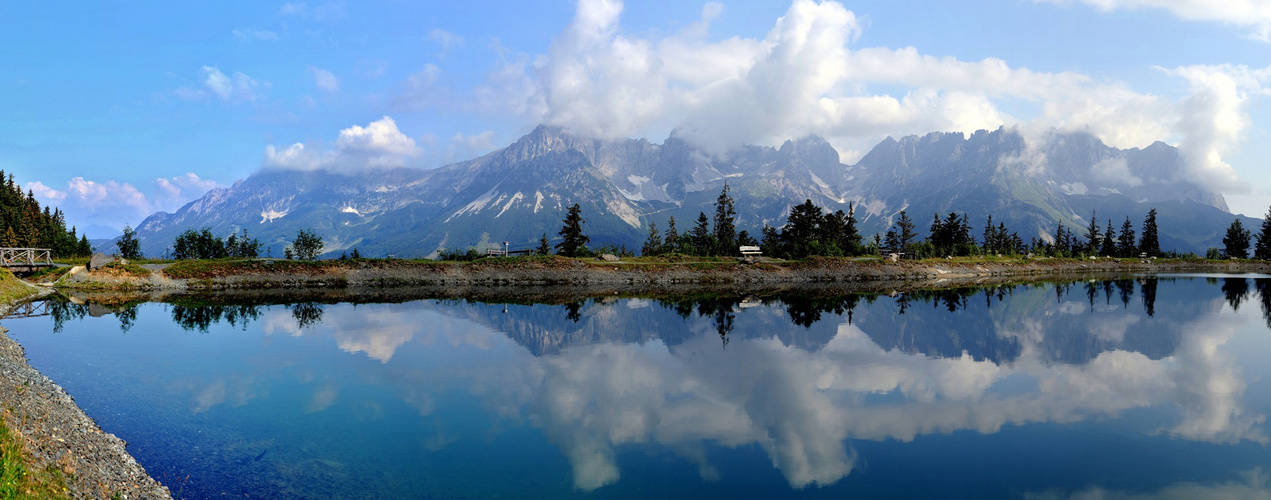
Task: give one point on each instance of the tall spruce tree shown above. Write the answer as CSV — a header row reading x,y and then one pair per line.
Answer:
x,y
573,241
906,235
725,225
671,241
703,242
851,235
1262,251
1108,243
1125,242
652,245
1236,242
1149,242
1092,235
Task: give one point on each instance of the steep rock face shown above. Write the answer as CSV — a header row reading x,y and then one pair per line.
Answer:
x,y
521,192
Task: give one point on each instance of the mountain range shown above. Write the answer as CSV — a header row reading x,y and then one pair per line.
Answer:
x,y
521,192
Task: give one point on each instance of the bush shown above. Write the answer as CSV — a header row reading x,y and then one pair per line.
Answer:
x,y
306,246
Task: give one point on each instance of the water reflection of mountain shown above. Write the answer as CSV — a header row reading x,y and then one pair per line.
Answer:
x,y
1066,322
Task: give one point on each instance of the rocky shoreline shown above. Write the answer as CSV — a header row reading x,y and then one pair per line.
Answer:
x,y
56,433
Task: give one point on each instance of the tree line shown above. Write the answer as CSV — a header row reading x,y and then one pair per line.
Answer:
x,y
203,244
812,230
27,225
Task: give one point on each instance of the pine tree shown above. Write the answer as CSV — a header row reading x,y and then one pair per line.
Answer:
x,y
1149,244
906,235
703,242
725,225
1125,243
1108,243
653,245
672,239
574,242
1263,249
1092,235
1236,243
544,248
851,236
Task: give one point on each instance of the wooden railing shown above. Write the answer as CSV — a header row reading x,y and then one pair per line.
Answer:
x,y
29,310
27,257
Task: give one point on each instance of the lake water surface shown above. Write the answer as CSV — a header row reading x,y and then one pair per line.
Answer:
x,y
1140,387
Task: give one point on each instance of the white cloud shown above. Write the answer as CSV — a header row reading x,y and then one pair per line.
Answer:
x,y
215,84
470,146
324,80
46,192
1254,14
255,34
177,191
1213,119
445,38
379,144
803,77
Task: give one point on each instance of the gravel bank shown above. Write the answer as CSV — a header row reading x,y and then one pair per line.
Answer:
x,y
57,433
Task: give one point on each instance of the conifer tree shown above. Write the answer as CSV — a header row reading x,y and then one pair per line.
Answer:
x,y
1092,235
1125,243
703,242
1149,243
1236,242
725,224
653,245
1108,243
672,239
574,242
1262,251
851,235
906,235
544,248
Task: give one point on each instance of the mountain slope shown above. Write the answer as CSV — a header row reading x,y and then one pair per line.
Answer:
x,y
521,192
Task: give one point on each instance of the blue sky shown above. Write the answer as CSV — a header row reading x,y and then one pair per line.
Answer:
x,y
114,110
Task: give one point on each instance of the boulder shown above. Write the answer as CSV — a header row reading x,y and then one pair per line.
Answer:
x,y
98,260
608,257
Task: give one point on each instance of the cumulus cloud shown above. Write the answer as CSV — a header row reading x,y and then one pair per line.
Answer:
x,y
45,192
377,145
215,84
804,77
1253,14
325,81
114,203
177,191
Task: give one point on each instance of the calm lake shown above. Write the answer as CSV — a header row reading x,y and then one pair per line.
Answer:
x,y
1152,387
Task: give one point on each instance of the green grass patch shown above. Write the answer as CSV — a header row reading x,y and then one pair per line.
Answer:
x,y
120,269
18,480
11,288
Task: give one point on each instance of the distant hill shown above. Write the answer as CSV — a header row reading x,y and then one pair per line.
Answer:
x,y
521,192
